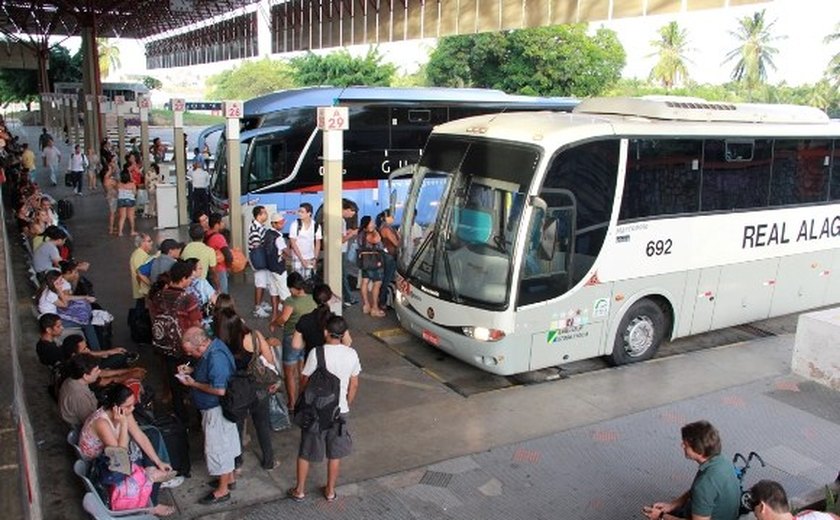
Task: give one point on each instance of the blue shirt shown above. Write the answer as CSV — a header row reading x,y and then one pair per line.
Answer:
x,y
215,368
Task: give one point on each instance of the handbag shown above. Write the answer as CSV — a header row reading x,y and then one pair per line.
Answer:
x,y
133,492
77,311
258,368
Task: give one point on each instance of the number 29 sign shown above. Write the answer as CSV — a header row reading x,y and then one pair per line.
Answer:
x,y
333,118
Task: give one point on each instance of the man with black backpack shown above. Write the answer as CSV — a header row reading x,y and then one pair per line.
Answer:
x,y
329,382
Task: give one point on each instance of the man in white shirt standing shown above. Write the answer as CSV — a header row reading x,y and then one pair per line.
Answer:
x,y
52,158
200,181
305,240
77,166
343,362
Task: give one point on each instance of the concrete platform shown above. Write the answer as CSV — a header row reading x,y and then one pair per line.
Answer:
x,y
596,444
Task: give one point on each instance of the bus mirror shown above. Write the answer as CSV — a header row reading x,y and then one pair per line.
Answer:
x,y
548,240
392,205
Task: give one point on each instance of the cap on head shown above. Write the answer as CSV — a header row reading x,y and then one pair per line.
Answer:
x,y
277,217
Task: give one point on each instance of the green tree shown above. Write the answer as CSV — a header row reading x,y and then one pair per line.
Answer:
x,y
671,48
21,85
834,64
109,56
755,52
152,83
342,70
250,79
549,61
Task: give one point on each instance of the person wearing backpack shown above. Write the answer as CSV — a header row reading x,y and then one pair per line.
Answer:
x,y
335,360
305,242
208,382
274,247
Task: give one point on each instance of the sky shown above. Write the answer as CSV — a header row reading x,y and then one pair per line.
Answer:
x,y
802,56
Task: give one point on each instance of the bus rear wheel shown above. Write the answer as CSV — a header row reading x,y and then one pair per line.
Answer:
x,y
639,334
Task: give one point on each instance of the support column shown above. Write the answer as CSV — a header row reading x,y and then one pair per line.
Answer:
x,y
46,105
233,111
333,121
66,121
178,107
119,103
74,123
145,103
90,84
43,76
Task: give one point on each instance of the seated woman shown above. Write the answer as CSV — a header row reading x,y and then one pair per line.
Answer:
x,y
75,311
113,425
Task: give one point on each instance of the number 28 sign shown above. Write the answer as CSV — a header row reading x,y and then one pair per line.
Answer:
x,y
333,118
233,109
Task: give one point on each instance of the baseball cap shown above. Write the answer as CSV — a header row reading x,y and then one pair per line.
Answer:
x,y
169,244
277,217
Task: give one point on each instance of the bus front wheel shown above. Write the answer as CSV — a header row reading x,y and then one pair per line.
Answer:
x,y
639,334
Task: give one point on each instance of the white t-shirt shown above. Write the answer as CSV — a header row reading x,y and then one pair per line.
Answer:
x,y
52,155
76,162
342,362
46,303
306,238
813,515
200,179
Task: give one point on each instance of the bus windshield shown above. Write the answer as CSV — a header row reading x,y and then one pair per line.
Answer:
x,y
462,217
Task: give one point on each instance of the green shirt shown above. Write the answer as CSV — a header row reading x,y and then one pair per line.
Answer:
x,y
715,491
301,305
138,258
205,254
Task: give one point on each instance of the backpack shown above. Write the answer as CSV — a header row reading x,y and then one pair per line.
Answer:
x,y
273,262
166,333
369,258
240,394
259,371
317,407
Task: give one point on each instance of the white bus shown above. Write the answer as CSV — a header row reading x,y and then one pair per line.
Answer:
x,y
624,224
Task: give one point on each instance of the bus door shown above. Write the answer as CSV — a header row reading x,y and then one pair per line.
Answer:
x,y
398,184
564,330
266,161
204,141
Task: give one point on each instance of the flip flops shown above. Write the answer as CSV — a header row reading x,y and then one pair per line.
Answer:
x,y
292,494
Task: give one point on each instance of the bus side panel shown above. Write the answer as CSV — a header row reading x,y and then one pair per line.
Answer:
x,y
832,280
801,282
705,295
745,292
628,292
689,301
569,329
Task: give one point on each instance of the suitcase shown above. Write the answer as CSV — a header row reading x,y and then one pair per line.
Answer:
x,y
68,180
64,208
177,443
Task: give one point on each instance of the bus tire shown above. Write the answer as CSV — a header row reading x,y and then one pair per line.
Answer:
x,y
639,333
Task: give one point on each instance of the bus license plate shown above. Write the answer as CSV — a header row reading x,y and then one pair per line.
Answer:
x,y
431,338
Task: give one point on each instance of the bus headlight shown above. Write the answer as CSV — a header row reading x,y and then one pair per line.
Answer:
x,y
483,333
400,298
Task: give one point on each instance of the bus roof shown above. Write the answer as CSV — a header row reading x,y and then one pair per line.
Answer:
x,y
555,128
329,96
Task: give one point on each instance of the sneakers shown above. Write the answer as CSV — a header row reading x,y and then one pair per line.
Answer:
x,y
259,312
173,483
265,306
350,303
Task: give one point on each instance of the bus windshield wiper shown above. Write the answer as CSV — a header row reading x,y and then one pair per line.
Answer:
x,y
419,252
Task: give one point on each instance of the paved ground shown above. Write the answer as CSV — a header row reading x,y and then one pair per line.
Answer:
x,y
597,444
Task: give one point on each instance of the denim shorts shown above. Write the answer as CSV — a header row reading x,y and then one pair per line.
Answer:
x,y
292,356
374,275
125,203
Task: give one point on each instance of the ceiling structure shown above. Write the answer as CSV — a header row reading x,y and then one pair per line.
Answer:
x,y
139,19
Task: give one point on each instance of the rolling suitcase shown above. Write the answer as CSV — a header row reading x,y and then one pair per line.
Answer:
x,y
64,208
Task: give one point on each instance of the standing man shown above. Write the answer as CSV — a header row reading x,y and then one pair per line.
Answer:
x,y
256,232
76,165
170,252
305,239
216,239
140,283
52,158
207,383
348,211
205,254
200,181
43,139
276,259
715,493
343,362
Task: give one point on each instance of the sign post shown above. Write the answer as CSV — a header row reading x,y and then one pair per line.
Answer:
x,y
178,106
90,139
74,121
119,104
233,111
144,103
333,121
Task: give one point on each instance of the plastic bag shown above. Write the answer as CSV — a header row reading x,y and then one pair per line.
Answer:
x,y
278,414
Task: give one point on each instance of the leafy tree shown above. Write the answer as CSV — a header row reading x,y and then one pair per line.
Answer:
x,y
21,85
550,61
341,69
834,65
251,79
672,47
109,56
152,83
755,52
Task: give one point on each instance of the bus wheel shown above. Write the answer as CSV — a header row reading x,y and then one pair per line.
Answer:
x,y
639,334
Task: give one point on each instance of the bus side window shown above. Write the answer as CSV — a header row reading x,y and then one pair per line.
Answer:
x,y
800,171
732,178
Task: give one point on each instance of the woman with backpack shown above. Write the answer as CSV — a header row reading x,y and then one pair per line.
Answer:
x,y
251,354
369,259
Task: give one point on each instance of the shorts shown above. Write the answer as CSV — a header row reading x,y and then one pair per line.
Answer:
x,y
336,443
261,278
277,285
221,442
374,275
125,203
292,356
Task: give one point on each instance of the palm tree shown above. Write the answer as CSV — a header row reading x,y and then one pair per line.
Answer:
x,y
672,47
834,65
754,54
109,56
